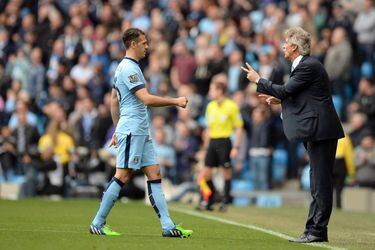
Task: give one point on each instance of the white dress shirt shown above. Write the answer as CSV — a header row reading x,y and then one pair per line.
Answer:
x,y
296,62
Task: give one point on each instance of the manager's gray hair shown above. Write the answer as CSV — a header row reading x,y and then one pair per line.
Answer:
x,y
299,37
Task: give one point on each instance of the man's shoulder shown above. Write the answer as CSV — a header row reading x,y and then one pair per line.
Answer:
x,y
129,72
128,67
211,105
310,61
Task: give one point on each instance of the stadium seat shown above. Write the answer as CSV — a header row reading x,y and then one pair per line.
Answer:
x,y
279,166
269,200
240,192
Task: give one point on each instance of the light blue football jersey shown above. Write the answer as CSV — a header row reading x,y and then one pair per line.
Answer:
x,y
133,113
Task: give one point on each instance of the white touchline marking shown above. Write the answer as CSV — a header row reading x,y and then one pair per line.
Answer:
x,y
249,226
37,230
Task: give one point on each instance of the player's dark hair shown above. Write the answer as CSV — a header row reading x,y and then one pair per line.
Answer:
x,y
130,35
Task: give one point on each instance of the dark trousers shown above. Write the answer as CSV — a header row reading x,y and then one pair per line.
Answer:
x,y
322,158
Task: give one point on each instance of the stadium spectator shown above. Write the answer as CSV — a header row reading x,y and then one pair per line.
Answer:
x,y
358,127
155,73
365,162
236,80
364,101
261,147
22,107
62,145
54,58
6,45
85,133
97,85
344,168
185,146
70,38
201,76
364,25
26,138
82,72
8,156
183,65
69,92
166,155
159,122
36,76
338,62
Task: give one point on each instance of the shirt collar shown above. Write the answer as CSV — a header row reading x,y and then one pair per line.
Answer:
x,y
296,62
131,59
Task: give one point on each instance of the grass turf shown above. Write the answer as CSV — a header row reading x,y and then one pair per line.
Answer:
x,y
43,224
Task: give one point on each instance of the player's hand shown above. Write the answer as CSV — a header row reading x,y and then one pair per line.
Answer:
x,y
113,141
251,74
182,102
270,99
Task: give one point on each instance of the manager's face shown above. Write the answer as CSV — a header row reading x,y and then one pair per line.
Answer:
x,y
289,49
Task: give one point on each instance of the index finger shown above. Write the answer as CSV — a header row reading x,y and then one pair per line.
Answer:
x,y
245,69
249,67
264,95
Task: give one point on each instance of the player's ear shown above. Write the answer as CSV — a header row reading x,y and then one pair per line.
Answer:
x,y
133,43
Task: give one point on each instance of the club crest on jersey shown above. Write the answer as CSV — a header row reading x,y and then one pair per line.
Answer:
x,y
133,78
136,159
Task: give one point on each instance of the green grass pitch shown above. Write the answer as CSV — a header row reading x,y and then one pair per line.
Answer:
x,y
43,224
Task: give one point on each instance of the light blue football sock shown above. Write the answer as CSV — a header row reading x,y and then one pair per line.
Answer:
x,y
109,198
158,202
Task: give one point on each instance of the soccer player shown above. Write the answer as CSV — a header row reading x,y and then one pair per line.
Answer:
x,y
223,118
135,149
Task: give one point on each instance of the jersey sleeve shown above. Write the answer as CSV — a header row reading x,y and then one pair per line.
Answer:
x,y
133,80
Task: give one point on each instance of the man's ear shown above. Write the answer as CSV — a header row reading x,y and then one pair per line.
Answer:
x,y
133,44
295,47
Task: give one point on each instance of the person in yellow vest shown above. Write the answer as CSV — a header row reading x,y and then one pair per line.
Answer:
x,y
343,168
62,146
223,120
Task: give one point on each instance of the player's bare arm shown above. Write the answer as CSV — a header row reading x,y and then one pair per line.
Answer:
x,y
115,114
158,101
115,110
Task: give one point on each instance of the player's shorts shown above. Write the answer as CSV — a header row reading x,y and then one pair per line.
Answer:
x,y
218,153
135,151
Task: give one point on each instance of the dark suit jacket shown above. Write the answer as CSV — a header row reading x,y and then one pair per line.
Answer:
x,y
31,139
307,109
93,140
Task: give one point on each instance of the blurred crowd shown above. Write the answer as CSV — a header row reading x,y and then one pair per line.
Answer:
x,y
57,61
